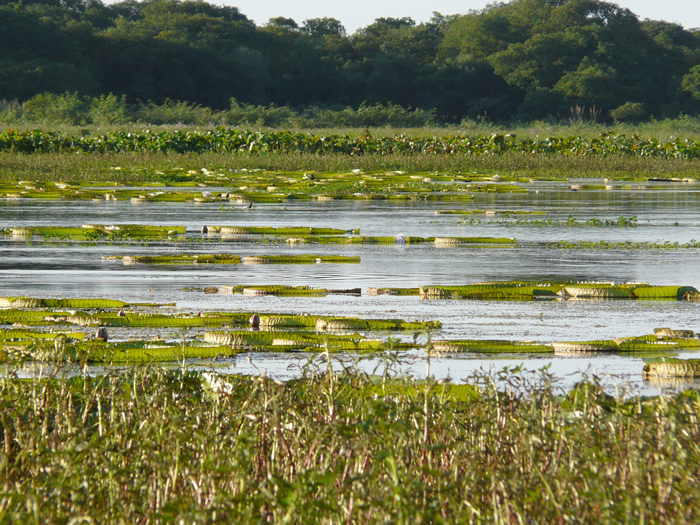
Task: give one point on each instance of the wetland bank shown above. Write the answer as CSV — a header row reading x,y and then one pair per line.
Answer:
x,y
514,325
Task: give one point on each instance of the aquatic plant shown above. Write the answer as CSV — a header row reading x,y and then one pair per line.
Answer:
x,y
672,368
299,259
200,258
97,351
95,232
225,140
285,290
524,291
35,302
623,245
489,346
278,231
282,341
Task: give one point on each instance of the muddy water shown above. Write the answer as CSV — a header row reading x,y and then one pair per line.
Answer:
x,y
664,212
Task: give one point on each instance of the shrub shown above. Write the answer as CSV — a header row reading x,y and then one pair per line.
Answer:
x,y
632,112
174,112
109,109
49,108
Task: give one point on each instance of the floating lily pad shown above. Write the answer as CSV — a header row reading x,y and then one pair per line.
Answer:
x,y
489,347
299,259
672,368
282,290
32,302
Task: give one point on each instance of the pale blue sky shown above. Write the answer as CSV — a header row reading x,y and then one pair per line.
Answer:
x,y
359,13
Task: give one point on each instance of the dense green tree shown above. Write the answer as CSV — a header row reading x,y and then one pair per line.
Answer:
x,y
691,82
42,52
521,59
588,52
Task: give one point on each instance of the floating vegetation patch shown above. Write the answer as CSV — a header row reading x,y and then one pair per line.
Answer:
x,y
525,291
20,334
128,319
583,347
120,318
649,344
329,323
19,343
401,239
148,320
597,291
299,259
283,290
149,351
623,245
492,213
672,368
226,258
392,291
571,222
662,341
281,231
32,302
493,291
285,341
202,258
488,347
96,232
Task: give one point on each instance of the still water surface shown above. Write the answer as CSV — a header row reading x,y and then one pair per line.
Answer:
x,y
665,212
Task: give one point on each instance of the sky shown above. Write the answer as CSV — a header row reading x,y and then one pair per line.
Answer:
x,y
354,14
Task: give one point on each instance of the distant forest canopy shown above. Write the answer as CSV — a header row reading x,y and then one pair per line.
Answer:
x,y
521,60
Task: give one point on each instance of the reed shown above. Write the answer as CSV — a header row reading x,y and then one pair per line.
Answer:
x,y
158,446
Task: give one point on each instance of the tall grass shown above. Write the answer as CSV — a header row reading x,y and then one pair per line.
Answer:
x,y
158,446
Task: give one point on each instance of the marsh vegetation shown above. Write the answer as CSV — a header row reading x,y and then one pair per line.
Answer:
x,y
355,395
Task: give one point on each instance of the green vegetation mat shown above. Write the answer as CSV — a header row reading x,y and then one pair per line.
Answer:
x,y
32,302
95,232
300,259
147,351
659,343
283,290
523,291
669,367
225,258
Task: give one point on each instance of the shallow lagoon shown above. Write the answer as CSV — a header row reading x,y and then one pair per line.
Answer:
x,y
665,212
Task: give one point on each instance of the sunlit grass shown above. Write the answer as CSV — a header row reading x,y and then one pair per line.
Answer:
x,y
156,446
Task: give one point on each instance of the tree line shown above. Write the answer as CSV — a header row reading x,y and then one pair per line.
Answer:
x,y
525,60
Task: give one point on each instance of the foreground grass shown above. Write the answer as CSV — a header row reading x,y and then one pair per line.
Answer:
x,y
158,446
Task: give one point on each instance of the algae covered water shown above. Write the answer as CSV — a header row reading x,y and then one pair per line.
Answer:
x,y
565,231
